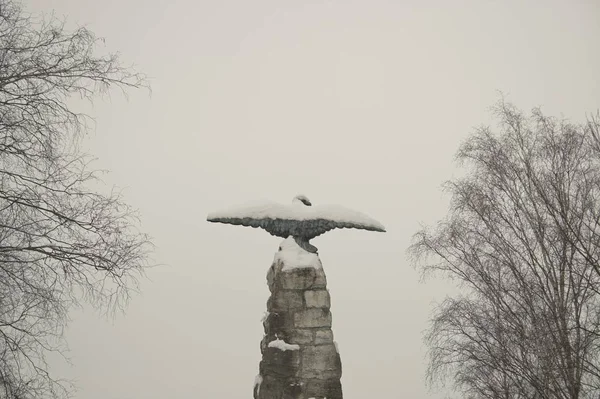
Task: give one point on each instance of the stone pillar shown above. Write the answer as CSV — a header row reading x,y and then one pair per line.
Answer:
x,y
299,357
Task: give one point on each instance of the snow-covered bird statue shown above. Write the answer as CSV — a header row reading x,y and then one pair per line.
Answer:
x,y
300,219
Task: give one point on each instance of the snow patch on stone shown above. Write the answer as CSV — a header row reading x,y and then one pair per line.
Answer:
x,y
257,382
265,315
283,346
294,257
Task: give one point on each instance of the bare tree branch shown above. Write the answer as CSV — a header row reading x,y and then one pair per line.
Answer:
x,y
61,243
522,239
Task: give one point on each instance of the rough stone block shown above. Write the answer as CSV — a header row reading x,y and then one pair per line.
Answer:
x,y
334,389
315,388
321,362
313,317
277,322
280,363
297,279
282,300
320,279
300,336
292,390
323,337
270,387
317,299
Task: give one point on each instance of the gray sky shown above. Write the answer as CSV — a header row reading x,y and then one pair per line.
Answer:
x,y
361,103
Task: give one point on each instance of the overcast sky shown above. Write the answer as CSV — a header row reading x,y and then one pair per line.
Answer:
x,y
359,103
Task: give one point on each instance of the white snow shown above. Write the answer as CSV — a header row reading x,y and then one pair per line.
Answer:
x,y
297,211
265,315
283,346
258,381
294,257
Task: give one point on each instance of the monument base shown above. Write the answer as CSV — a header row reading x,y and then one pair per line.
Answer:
x,y
299,356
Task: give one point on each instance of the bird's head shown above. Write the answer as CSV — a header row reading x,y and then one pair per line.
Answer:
x,y
301,199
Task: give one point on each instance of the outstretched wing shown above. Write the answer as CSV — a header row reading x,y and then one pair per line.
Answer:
x,y
275,227
296,220
315,227
260,214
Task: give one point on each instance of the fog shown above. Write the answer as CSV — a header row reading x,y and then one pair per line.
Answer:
x,y
358,103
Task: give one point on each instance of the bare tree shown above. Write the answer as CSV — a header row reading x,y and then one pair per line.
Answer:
x,y
61,242
522,240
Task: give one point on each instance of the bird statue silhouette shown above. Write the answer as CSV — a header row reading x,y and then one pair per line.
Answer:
x,y
300,220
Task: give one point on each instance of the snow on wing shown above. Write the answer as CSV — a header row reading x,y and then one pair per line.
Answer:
x,y
295,220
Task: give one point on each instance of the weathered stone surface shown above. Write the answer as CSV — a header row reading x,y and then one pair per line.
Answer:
x,y
300,336
293,390
333,389
323,337
263,343
321,362
298,314
280,363
318,389
270,388
298,279
271,277
282,300
278,321
320,279
317,299
315,388
313,317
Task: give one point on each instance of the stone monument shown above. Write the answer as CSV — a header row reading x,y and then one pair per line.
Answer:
x,y
300,359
